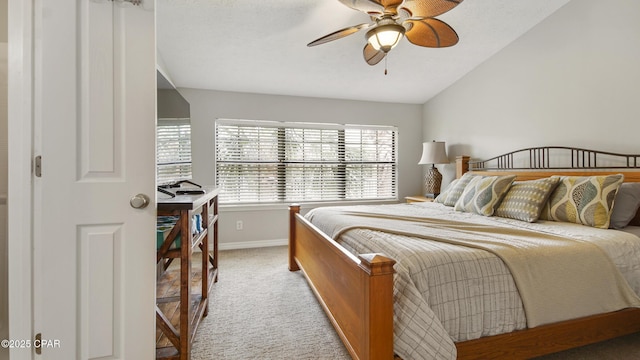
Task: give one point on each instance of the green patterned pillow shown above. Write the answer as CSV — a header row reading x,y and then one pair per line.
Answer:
x,y
585,200
526,199
443,195
483,193
456,190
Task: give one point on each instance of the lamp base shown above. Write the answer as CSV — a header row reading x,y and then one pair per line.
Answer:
x,y
432,182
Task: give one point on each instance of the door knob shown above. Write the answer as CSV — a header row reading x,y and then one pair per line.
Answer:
x,y
139,201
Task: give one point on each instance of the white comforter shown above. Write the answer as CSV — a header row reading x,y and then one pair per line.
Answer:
x,y
446,293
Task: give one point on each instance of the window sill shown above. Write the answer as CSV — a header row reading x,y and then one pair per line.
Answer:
x,y
304,205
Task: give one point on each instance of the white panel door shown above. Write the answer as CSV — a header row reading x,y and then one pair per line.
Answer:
x,y
94,110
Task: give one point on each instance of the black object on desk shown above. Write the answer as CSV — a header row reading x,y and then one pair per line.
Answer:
x,y
190,191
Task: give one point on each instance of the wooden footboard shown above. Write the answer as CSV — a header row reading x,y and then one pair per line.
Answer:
x,y
355,292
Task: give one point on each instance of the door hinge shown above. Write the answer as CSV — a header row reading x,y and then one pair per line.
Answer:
x,y
37,166
37,344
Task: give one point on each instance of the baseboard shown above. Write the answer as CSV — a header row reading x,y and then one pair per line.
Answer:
x,y
252,244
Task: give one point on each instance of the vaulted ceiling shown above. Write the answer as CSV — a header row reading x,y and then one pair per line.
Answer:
x,y
259,46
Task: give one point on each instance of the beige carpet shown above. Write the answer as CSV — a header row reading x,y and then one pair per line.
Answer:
x,y
260,310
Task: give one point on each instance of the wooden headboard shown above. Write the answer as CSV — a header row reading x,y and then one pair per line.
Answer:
x,y
539,162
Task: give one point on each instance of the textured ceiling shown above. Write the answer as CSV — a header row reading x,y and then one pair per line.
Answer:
x,y
259,46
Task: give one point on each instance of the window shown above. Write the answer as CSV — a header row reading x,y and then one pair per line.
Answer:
x,y
271,162
173,150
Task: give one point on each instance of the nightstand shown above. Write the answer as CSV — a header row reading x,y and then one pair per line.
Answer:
x,y
417,198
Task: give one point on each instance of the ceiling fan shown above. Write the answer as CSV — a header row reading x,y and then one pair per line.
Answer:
x,y
394,19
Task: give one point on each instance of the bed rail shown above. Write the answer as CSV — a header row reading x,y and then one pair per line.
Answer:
x,y
557,157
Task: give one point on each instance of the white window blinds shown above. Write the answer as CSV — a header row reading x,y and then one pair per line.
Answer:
x,y
173,150
267,162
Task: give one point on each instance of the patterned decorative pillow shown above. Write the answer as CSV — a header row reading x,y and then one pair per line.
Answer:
x,y
585,200
483,193
443,195
526,199
454,193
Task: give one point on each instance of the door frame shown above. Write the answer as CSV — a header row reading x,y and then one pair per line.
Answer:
x,y
20,181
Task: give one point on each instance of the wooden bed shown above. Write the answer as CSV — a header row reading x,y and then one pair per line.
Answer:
x,y
356,292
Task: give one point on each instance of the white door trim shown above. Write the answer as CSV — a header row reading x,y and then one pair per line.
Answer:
x,y
20,130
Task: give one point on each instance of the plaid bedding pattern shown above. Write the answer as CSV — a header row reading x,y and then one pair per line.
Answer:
x,y
445,293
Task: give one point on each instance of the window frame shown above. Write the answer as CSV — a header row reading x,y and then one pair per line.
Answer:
x,y
185,150
391,165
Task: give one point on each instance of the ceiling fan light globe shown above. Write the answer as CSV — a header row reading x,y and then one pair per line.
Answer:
x,y
385,37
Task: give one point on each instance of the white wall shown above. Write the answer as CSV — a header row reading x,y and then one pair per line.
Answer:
x,y
4,315
572,80
270,223
4,169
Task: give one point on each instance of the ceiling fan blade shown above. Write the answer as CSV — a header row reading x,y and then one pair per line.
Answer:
x,y
338,34
374,7
430,33
427,8
371,55
391,6
366,6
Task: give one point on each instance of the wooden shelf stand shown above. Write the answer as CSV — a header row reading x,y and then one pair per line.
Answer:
x,y
178,314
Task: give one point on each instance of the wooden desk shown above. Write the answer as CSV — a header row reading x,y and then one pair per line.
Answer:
x,y
190,306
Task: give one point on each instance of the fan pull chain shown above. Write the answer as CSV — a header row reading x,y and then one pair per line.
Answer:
x,y
385,64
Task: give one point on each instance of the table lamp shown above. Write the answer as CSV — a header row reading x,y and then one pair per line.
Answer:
x,y
433,153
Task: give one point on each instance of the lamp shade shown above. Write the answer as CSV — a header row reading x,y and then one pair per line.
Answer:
x,y
434,153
